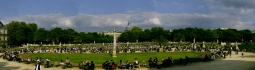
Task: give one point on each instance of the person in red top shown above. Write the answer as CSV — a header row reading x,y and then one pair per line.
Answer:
x,y
67,61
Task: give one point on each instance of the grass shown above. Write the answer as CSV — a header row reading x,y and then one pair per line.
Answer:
x,y
100,58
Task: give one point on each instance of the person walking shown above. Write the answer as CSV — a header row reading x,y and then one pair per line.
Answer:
x,y
38,66
242,54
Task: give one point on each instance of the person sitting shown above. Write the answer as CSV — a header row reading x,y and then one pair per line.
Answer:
x,y
128,64
28,60
86,66
47,62
121,64
150,62
106,64
169,61
212,56
155,62
81,65
61,63
186,60
164,62
92,65
180,61
205,58
68,64
113,65
136,63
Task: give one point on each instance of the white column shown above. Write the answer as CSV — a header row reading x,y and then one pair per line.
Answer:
x,y
194,40
203,44
114,44
27,46
236,46
217,41
60,44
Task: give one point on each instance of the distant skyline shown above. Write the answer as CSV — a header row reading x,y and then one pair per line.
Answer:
x,y
101,15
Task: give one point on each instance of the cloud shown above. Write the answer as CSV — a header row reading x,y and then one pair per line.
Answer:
x,y
238,3
88,22
238,7
154,21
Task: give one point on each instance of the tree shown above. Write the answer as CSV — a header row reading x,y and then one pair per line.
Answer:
x,y
246,34
90,38
130,36
32,27
68,35
145,36
17,33
56,34
178,37
40,35
124,37
253,37
159,35
78,38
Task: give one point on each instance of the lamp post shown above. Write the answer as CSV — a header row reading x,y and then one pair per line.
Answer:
x,y
114,43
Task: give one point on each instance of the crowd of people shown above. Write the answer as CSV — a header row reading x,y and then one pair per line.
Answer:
x,y
13,55
119,49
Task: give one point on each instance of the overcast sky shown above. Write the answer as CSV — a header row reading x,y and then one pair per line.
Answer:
x,y
101,15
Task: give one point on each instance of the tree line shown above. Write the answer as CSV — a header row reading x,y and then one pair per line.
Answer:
x,y
21,33
159,34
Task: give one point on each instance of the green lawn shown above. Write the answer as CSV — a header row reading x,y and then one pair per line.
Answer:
x,y
100,58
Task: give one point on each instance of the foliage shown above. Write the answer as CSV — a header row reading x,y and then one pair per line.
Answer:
x,y
247,46
159,35
22,33
155,34
4,46
224,35
130,36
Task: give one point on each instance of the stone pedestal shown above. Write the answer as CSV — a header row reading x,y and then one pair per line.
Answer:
x,y
138,51
161,49
114,54
173,49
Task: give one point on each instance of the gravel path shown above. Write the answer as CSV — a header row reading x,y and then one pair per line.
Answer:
x,y
236,62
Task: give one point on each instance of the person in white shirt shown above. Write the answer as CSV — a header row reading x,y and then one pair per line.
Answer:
x,y
61,63
38,66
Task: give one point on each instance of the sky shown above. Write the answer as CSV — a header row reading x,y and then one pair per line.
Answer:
x,y
102,15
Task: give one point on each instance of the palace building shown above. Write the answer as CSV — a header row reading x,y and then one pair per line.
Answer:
x,y
3,33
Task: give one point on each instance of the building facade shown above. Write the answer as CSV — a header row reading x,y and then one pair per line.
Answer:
x,y
3,34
